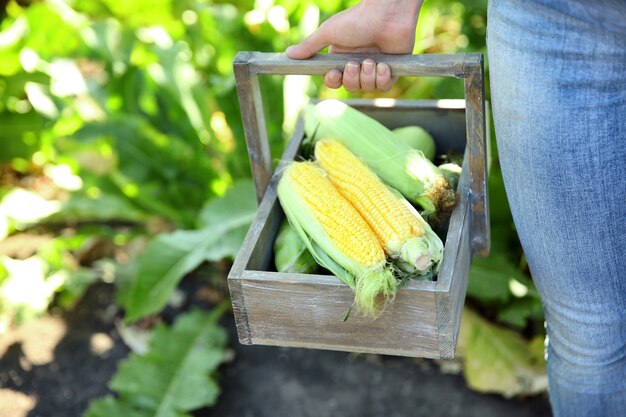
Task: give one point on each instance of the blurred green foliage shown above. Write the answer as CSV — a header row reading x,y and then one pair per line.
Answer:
x,y
170,379
122,118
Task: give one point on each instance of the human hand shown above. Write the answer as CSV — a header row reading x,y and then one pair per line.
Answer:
x,y
386,26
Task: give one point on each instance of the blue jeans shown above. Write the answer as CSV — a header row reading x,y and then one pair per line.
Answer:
x,y
558,89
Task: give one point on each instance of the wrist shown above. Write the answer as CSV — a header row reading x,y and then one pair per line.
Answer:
x,y
397,9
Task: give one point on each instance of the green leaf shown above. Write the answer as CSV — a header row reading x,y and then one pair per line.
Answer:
x,y
109,406
500,360
291,253
75,286
170,256
518,311
238,202
489,278
171,378
51,33
106,207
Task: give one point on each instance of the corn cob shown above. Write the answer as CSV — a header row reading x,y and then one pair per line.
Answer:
x,y
400,229
336,235
395,162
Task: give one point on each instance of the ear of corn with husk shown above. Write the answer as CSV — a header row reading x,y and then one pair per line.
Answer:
x,y
417,138
395,162
452,172
405,236
336,235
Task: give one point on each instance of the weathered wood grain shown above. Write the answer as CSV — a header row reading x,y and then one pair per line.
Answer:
x,y
306,311
477,154
434,65
251,105
452,282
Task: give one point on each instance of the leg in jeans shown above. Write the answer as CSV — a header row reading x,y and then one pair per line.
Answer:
x,y
558,82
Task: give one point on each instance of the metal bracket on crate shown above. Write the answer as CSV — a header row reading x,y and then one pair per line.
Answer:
x,y
468,66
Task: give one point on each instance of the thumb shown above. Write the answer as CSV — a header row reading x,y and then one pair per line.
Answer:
x,y
317,41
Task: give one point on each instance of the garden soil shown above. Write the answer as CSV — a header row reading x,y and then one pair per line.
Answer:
x,y
53,367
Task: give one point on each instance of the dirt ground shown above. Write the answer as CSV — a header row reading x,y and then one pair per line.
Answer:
x,y
53,366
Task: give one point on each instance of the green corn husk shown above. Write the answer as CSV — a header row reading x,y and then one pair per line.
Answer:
x,y
429,247
374,286
452,172
396,163
417,138
290,252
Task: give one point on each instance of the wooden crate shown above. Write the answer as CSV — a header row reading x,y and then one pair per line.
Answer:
x,y
305,310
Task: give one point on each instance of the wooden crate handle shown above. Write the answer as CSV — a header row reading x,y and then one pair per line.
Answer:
x,y
468,66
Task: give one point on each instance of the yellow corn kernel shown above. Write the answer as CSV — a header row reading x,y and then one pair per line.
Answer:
x,y
394,221
389,217
345,228
336,234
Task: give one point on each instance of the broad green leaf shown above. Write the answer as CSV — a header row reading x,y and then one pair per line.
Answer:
x,y
10,38
500,360
15,127
105,207
518,311
238,202
174,175
109,407
171,378
145,13
76,283
53,29
489,278
9,62
170,256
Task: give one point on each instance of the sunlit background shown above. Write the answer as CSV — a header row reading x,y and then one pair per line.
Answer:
x,y
120,130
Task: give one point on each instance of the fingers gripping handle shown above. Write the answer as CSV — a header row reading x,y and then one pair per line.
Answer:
x,y
248,65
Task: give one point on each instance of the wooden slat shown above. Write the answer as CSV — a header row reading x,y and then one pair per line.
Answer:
x,y
251,105
451,297
456,227
477,154
240,313
308,313
430,65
